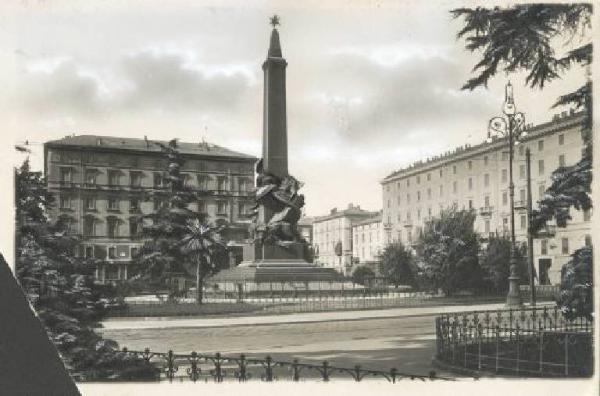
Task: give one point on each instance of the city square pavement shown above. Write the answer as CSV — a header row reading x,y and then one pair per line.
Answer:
x,y
377,339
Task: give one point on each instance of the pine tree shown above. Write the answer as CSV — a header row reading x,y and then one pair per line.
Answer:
x,y
178,242
62,290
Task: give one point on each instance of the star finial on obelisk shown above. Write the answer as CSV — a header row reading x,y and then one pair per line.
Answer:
x,y
274,21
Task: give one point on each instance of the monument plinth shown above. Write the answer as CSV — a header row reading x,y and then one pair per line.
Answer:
x,y
278,252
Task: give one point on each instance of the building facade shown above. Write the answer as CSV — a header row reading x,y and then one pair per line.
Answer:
x,y
476,177
102,185
368,242
332,237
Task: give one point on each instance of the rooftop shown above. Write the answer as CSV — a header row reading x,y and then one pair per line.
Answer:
x,y
370,220
557,120
134,144
351,211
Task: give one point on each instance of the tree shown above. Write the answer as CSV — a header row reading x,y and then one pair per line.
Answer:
x,y
62,290
524,38
397,264
164,253
362,274
201,243
576,297
495,264
447,252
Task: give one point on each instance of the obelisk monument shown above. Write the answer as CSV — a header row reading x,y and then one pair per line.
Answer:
x,y
277,251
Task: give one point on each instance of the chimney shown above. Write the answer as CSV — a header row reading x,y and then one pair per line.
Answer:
x,y
146,140
334,210
99,142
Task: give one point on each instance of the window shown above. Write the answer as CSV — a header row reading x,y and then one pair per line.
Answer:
x,y
561,139
588,240
399,217
485,160
429,177
470,165
561,160
66,175
203,182
398,200
244,184
565,246
522,172
470,204
418,179
418,196
521,150
407,182
504,175
429,193
470,183
441,173
408,216
540,145
486,180
429,212
505,224
134,204
454,187
90,176
418,214
65,202
222,183
88,251
544,247
541,167
89,228
135,179
441,190
504,198
505,156
159,180
454,169
522,196
114,177
158,203
113,203
90,203
388,203
487,201
487,227
407,198
112,224
134,252
587,214
222,208
134,226
523,222
112,254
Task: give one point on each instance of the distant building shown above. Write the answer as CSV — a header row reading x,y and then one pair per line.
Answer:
x,y
368,243
100,183
332,237
476,177
305,228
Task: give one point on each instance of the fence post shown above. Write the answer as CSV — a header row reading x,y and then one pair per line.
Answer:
x,y
517,337
497,347
268,369
325,372
295,371
479,334
541,337
566,354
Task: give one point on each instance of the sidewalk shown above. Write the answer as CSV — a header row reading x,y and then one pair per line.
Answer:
x,y
330,316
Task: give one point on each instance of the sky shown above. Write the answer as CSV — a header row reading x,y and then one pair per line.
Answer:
x,y
371,87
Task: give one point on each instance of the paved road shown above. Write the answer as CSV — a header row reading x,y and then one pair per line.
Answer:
x,y
406,343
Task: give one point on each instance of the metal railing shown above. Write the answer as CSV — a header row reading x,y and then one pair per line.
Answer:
x,y
534,342
218,368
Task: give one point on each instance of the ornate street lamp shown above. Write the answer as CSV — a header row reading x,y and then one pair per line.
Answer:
x,y
510,125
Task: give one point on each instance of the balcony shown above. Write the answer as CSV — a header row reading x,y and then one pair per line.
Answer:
x,y
486,211
521,205
387,226
407,223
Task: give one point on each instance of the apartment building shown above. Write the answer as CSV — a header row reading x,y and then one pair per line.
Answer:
x,y
102,185
332,237
477,178
368,243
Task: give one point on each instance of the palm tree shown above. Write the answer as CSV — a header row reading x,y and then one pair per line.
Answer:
x,y
201,242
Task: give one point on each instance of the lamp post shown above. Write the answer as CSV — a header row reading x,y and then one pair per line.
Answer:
x,y
511,126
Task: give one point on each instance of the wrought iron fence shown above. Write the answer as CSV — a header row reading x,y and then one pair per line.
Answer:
x,y
198,367
537,342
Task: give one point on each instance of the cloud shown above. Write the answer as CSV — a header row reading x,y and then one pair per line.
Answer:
x,y
173,81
